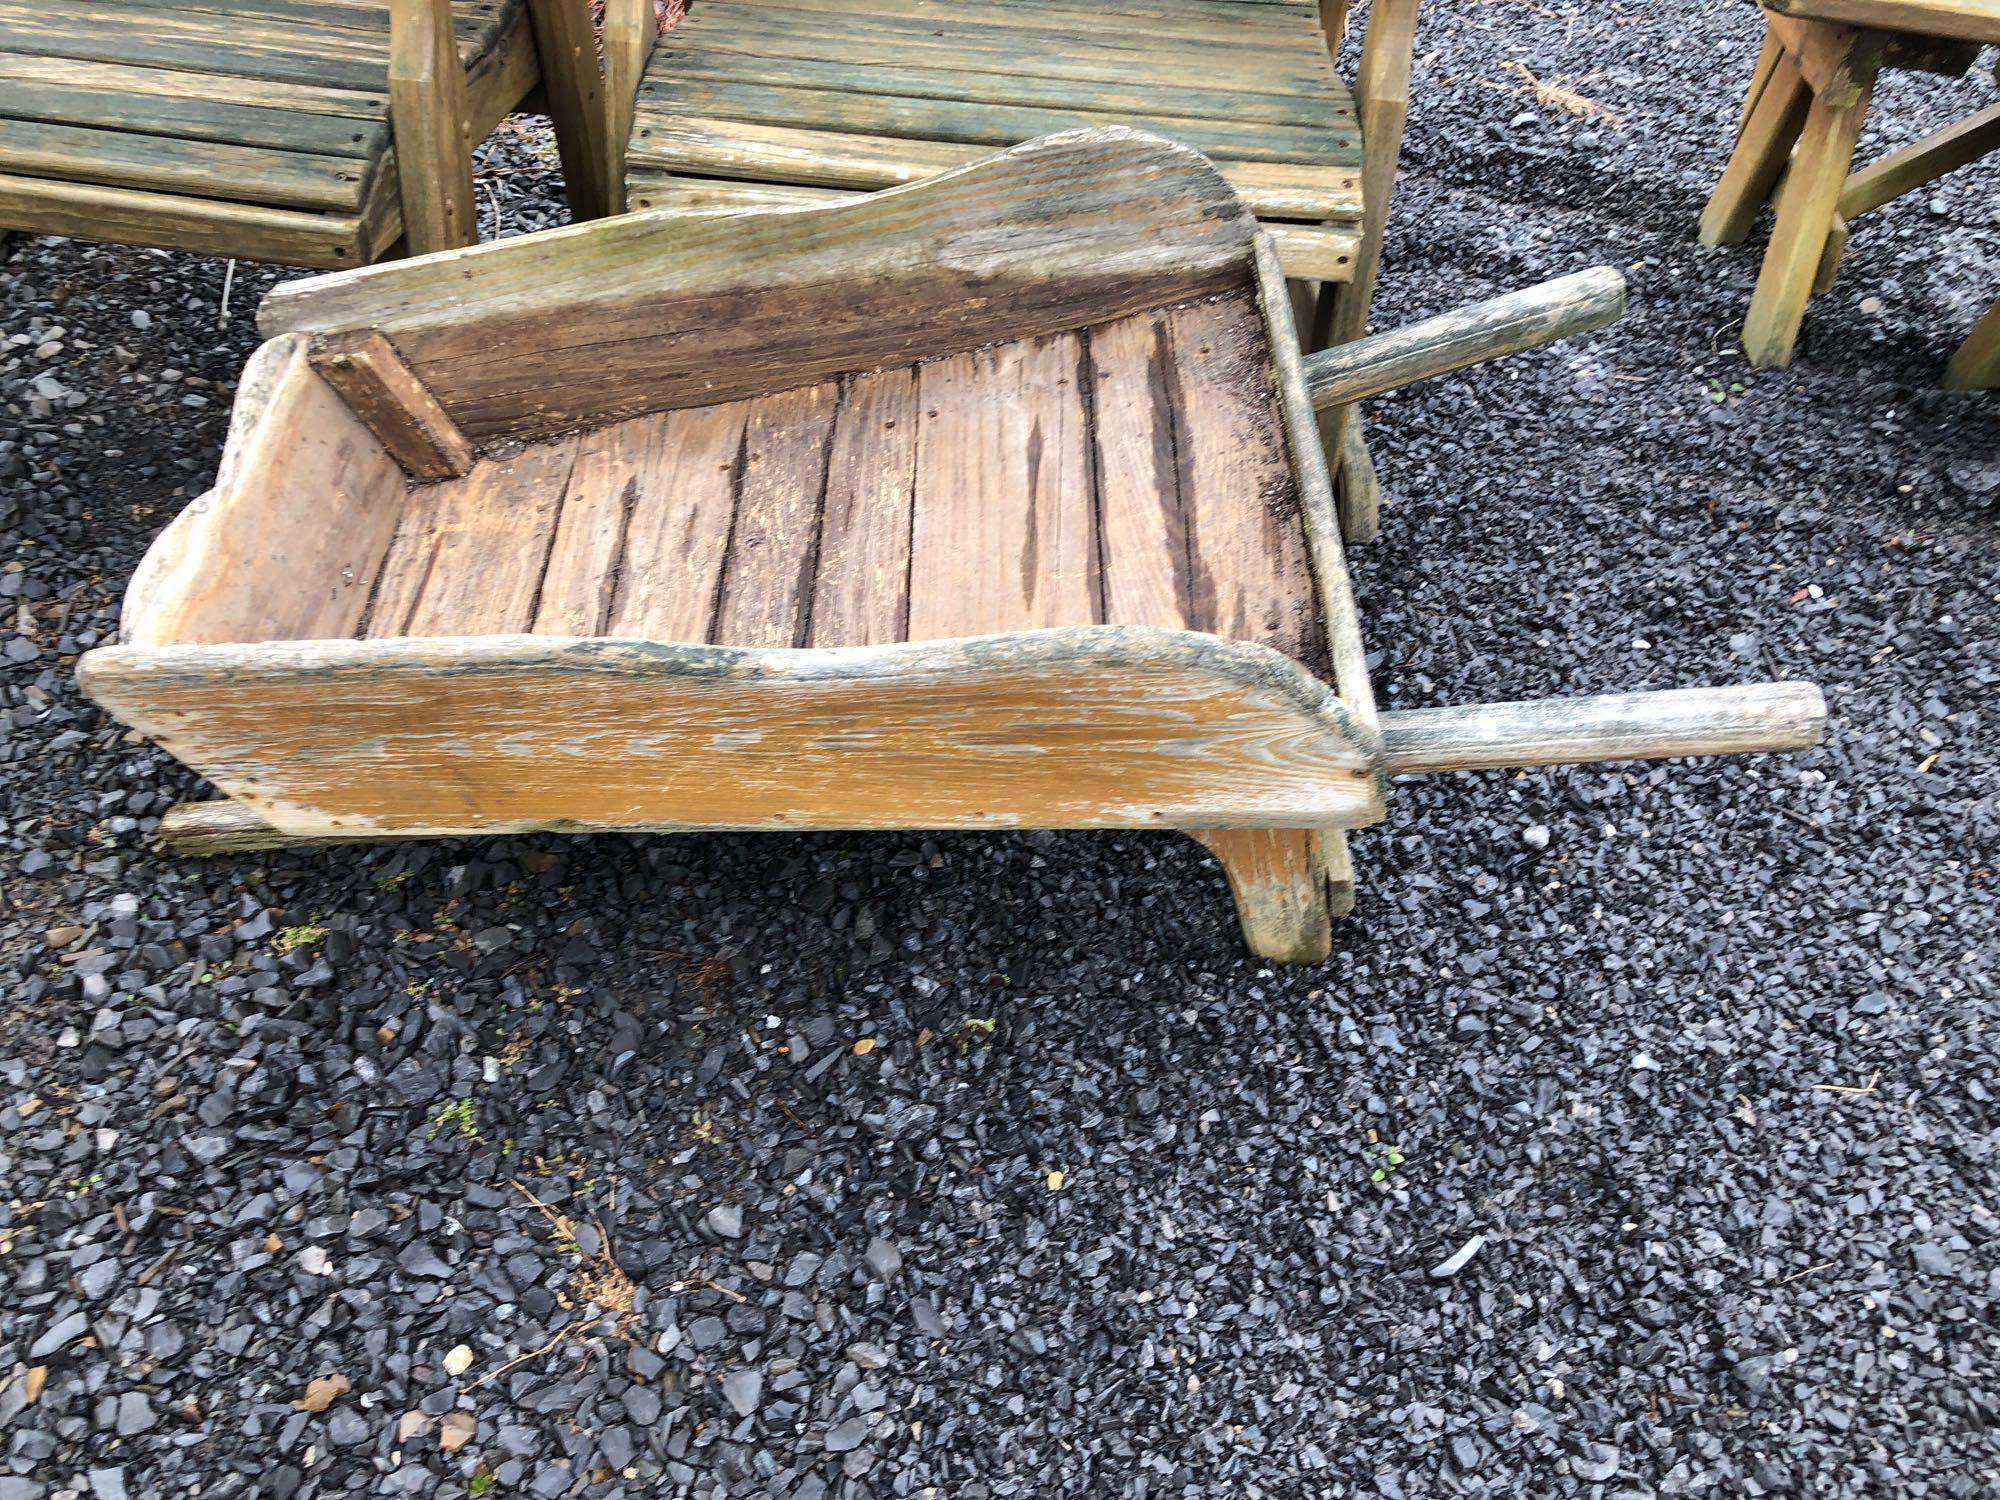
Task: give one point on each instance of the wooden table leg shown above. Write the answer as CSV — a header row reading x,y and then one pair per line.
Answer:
x,y
1805,219
1976,366
1768,58
1282,879
1758,161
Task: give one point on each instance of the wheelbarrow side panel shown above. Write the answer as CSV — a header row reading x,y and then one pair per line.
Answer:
x,y
655,311
1083,727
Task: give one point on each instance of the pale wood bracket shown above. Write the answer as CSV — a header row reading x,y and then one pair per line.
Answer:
x,y
367,373
566,43
1280,879
431,120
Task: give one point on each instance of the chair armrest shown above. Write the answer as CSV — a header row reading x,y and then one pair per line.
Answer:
x,y
631,27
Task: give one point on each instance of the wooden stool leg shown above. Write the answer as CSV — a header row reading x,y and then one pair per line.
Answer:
x,y
1759,158
1360,498
1280,880
1768,58
1805,219
1831,257
1976,366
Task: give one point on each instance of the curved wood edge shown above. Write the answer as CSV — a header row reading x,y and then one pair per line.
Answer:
x,y
179,550
1288,884
1092,726
1115,202
293,450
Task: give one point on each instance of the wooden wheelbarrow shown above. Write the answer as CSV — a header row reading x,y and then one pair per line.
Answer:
x,y
990,502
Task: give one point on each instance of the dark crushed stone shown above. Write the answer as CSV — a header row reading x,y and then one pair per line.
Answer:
x,y
1598,1046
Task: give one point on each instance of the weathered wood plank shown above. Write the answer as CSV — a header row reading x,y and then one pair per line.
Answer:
x,y
731,148
1004,536
364,368
168,82
567,47
1089,727
255,559
767,580
1249,576
861,593
1136,395
200,169
469,556
683,501
208,226
581,579
1968,20
594,324
1312,252
291,128
991,124
1474,334
1765,716
1321,107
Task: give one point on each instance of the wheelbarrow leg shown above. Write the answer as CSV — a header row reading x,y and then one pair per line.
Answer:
x,y
1289,884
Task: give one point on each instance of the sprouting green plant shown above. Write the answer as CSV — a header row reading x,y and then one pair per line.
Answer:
x,y
457,1114
705,1131
291,939
390,884
974,1029
481,1484
1382,1161
1719,393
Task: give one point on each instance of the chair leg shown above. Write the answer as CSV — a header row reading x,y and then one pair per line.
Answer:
x,y
567,47
1976,366
1805,220
1758,161
1360,498
431,122
1284,881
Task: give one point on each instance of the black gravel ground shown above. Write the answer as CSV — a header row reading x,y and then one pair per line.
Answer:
x,y
984,1166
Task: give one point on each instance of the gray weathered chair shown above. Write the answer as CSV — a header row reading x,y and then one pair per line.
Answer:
x,y
326,135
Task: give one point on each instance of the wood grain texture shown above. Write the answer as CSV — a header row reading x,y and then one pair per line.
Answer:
x,y
861,591
767,579
1765,716
85,211
709,147
254,559
1278,877
1969,20
470,553
682,501
1088,727
654,311
364,368
1004,536
1137,396
1250,578
432,121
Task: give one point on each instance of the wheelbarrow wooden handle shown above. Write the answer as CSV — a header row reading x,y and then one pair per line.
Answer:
x,y
1620,726
1486,330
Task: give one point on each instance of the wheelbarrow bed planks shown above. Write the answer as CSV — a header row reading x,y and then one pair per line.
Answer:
x,y
990,502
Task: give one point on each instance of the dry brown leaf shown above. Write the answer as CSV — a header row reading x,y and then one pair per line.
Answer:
x,y
865,1046
323,1392
32,1386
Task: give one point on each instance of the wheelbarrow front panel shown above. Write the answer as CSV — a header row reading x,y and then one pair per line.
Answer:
x,y
1085,727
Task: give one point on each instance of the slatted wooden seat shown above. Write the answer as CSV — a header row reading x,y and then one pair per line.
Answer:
x,y
1796,133
750,103
324,133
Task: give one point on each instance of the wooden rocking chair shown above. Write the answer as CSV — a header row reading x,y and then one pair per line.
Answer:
x,y
751,103
324,133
